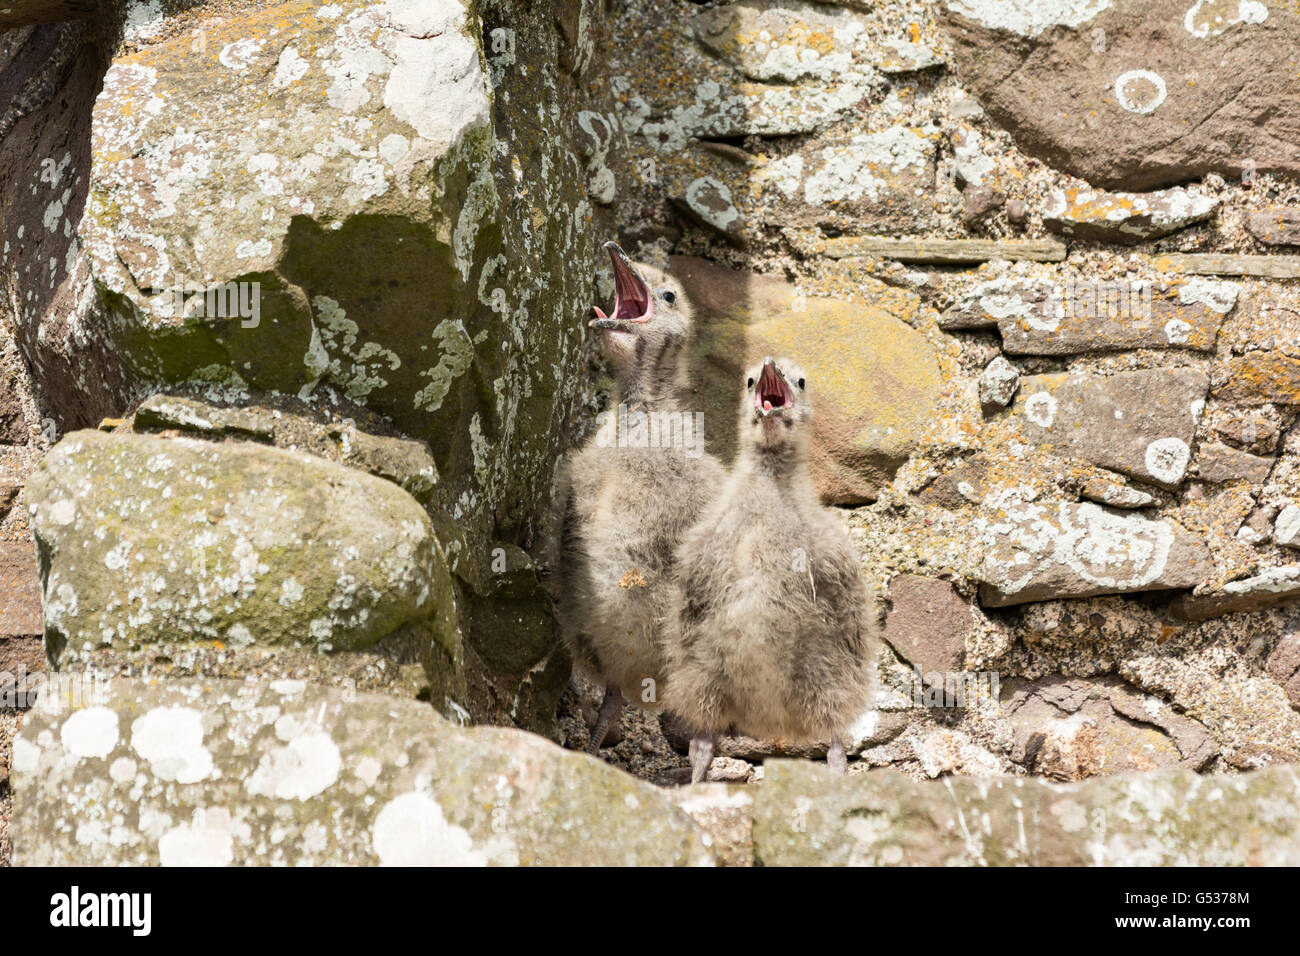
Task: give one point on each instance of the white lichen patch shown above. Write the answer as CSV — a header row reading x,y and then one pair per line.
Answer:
x,y
411,830
306,766
1209,18
171,740
91,732
1029,17
1167,460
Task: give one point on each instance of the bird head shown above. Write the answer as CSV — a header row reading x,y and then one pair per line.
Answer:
x,y
651,317
775,412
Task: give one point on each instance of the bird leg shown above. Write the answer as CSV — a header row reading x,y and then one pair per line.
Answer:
x,y
835,758
701,751
609,708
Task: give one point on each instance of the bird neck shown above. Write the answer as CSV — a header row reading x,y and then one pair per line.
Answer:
x,y
654,382
786,466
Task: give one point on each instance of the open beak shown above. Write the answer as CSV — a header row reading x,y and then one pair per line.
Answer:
x,y
633,304
772,395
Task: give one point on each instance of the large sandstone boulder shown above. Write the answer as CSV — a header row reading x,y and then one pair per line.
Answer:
x,y
1161,91
874,379
153,540
220,772
805,816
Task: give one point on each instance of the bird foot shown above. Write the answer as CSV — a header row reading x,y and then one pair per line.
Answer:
x,y
609,708
701,752
835,758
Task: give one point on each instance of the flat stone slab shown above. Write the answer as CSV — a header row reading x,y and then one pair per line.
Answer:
x,y
217,773
943,251
1216,264
1270,588
1040,551
1138,423
1038,316
806,816
1084,213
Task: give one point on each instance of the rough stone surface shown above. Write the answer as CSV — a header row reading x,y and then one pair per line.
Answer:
x,y
20,591
1284,666
1278,226
1286,528
1101,316
927,624
146,538
1083,213
282,772
1260,377
804,816
1179,89
1072,729
875,381
998,383
1269,588
1140,424
1115,493
1038,551
1220,463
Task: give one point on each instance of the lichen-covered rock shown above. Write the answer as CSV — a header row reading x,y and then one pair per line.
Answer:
x,y
1083,213
1039,551
1161,91
152,539
1138,423
805,816
219,773
875,380
1269,588
1260,377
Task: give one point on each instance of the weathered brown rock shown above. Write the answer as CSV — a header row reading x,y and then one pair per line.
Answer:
x,y
1138,423
1177,89
1221,464
874,380
1284,665
1259,377
927,623
1279,226
1041,551
20,591
1270,588
1038,316
1084,213
1084,315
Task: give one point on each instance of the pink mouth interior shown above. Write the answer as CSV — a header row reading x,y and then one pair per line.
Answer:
x,y
632,302
772,391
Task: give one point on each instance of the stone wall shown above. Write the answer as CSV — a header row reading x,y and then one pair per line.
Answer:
x,y
1040,259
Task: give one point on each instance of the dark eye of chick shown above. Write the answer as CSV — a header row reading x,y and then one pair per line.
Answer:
x,y
801,385
670,296
751,384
